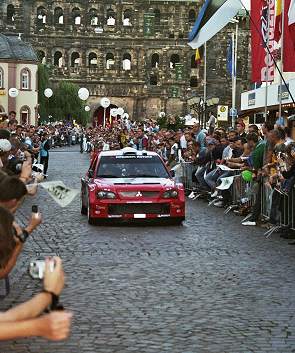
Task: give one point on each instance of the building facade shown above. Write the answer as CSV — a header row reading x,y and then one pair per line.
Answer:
x,y
18,69
134,52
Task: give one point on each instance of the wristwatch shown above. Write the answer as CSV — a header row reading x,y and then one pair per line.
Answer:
x,y
54,302
23,236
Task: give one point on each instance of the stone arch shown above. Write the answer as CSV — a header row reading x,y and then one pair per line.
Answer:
x,y
10,13
41,16
58,16
174,59
76,16
75,59
110,61
111,17
93,17
92,59
41,56
127,62
58,59
127,17
155,60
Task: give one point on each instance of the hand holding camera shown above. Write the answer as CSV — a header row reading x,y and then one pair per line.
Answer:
x,y
36,219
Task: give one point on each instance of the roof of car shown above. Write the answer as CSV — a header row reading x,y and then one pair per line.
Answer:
x,y
128,151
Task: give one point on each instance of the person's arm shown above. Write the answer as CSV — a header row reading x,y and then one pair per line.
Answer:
x,y
28,310
54,326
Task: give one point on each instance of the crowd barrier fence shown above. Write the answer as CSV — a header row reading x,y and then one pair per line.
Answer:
x,y
245,194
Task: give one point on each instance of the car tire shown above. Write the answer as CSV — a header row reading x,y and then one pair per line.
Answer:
x,y
83,209
91,220
178,221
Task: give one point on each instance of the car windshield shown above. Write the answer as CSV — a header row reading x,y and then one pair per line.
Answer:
x,y
131,167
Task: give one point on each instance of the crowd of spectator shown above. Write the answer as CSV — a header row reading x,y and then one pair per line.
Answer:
x,y
20,147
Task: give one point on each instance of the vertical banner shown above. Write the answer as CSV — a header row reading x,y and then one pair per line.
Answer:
x,y
289,36
174,92
179,71
149,24
262,63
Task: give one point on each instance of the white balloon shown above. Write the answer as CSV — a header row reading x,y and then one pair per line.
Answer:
x,y
87,108
105,102
125,115
48,92
13,92
120,111
83,93
162,114
114,112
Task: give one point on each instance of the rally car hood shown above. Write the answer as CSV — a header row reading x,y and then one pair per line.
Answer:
x,y
161,182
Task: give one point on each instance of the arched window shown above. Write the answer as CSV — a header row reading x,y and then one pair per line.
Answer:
x,y
10,13
157,13
155,60
1,78
76,16
111,17
57,60
93,17
25,79
194,81
126,62
174,59
110,61
75,59
25,115
153,80
92,60
192,16
41,16
194,63
41,56
127,17
58,16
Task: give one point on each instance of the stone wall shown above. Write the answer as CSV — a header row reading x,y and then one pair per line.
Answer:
x,y
78,50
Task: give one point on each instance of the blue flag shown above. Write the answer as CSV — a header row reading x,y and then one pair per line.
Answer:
x,y
230,65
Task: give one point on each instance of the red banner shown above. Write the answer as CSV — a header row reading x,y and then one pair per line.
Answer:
x,y
262,62
289,38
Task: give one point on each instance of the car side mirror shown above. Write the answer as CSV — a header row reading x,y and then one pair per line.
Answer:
x,y
172,172
90,173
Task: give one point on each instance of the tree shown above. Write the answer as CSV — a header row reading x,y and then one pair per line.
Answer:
x,y
64,104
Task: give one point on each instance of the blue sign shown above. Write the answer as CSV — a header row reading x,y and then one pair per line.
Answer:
x,y
233,112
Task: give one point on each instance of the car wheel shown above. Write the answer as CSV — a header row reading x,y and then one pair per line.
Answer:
x,y
83,208
91,220
178,221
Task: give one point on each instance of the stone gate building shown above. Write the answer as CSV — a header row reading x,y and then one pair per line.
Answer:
x,y
134,52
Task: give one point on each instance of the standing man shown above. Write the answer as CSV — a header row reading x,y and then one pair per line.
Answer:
x,y
199,135
44,152
211,123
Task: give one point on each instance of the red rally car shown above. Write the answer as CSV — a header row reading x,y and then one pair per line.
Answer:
x,y
130,184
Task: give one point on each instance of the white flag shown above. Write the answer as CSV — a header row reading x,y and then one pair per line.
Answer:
x,y
60,193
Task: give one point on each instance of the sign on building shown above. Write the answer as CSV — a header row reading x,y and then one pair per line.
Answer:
x,y
174,92
222,112
283,92
149,24
179,71
251,99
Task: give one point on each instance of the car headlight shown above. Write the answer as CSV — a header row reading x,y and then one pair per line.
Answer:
x,y
105,195
170,194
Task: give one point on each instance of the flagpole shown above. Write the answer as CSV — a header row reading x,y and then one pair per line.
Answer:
x,y
205,85
233,98
282,56
268,57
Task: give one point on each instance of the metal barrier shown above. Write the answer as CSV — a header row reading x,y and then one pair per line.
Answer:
x,y
188,171
245,194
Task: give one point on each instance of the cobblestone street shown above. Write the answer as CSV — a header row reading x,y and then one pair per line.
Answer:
x,y
208,286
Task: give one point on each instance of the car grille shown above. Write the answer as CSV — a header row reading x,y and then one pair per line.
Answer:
x,y
145,194
139,208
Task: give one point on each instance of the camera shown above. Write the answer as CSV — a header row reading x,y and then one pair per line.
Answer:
x,y
37,268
